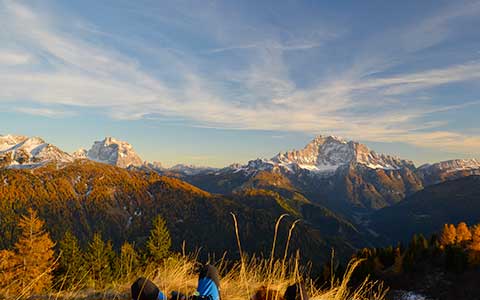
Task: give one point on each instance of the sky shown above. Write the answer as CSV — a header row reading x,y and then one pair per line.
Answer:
x,y
218,82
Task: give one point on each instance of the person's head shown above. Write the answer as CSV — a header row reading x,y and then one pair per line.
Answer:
x,y
144,289
296,292
209,271
266,294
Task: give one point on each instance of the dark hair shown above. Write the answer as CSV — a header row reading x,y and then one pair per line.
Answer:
x,y
144,289
296,292
209,271
266,294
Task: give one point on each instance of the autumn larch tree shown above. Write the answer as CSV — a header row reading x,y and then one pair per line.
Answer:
x,y
474,247
449,235
8,266
463,233
35,255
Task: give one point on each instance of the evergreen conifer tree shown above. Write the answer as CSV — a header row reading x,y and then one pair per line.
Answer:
x,y
99,259
159,242
71,262
129,260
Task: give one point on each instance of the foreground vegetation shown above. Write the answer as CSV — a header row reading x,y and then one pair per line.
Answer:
x,y
38,267
445,266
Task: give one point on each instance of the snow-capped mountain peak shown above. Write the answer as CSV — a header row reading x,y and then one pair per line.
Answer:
x,y
327,153
25,152
112,151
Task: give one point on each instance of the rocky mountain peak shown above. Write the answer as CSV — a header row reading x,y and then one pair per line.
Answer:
x,y
25,152
327,153
114,152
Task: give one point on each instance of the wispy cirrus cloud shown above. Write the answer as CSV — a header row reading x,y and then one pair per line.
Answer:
x,y
44,112
13,58
72,66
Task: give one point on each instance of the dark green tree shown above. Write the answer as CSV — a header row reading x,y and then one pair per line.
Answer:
x,y
100,259
71,264
159,242
129,260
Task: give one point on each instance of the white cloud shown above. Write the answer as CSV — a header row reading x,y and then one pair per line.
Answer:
x,y
44,112
11,58
80,72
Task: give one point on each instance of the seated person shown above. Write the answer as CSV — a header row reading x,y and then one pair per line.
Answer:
x,y
144,289
208,287
208,283
296,291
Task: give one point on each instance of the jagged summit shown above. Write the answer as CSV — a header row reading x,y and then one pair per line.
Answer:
x,y
327,153
18,151
113,152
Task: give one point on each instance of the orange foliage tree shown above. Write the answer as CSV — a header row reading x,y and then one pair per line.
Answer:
x,y
449,235
474,247
463,233
34,255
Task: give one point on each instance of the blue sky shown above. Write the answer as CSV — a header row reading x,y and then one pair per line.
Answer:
x,y
217,82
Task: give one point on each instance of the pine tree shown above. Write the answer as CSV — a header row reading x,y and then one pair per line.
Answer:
x,y
35,255
448,236
99,259
71,264
159,242
463,233
129,260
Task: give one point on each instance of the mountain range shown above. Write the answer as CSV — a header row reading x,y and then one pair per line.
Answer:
x,y
345,193
345,176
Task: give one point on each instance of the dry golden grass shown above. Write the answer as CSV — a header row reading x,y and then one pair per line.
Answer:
x,y
240,279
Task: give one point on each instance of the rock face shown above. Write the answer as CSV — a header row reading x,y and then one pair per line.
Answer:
x,y
327,154
113,152
448,170
27,152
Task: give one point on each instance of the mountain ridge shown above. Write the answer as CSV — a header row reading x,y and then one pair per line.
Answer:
x,y
342,175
